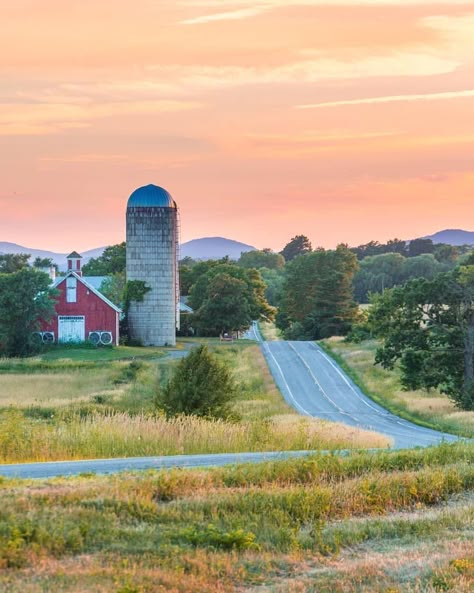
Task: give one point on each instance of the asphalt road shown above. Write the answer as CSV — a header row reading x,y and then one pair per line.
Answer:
x,y
309,381
313,384
51,469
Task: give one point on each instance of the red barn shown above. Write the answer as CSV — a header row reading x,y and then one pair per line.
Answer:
x,y
83,313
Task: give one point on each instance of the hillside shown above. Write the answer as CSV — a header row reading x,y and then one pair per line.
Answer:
x,y
214,248
58,258
453,237
205,248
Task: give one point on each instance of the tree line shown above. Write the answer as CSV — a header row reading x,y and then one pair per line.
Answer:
x,y
422,304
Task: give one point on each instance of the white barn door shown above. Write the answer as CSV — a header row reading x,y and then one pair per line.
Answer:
x,y
71,328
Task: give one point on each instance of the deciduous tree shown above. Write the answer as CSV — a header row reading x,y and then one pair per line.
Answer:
x,y
13,262
209,294
262,259
317,299
428,325
25,299
111,261
299,245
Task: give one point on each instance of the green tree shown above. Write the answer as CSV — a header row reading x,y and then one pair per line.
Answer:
x,y
274,280
13,262
420,246
25,299
422,266
226,307
190,272
445,253
255,304
113,287
111,261
298,245
317,299
262,259
375,248
428,325
376,273
200,386
43,262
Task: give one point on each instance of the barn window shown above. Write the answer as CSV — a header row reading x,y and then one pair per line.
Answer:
x,y
71,289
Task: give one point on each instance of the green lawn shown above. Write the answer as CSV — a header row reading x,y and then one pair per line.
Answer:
x,y
101,354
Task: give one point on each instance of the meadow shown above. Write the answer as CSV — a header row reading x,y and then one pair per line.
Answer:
x,y
390,522
430,408
74,403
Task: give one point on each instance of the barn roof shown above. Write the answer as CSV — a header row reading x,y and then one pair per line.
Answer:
x,y
74,255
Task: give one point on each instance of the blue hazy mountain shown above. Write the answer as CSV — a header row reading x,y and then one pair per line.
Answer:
x,y
453,237
58,258
213,248
206,248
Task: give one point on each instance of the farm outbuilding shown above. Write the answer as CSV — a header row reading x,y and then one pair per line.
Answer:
x,y
83,313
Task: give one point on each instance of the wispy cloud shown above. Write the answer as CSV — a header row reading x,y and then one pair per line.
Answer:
x,y
392,99
395,64
231,15
41,118
243,9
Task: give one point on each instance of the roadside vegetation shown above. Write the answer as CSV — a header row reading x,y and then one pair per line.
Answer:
x,y
398,521
429,407
269,331
66,404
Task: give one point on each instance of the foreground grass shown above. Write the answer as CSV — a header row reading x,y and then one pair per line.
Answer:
x,y
121,435
387,522
109,410
427,407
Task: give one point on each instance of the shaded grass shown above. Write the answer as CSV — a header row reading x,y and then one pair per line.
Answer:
x,y
428,408
355,524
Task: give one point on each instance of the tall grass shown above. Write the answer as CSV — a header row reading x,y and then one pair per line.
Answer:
x,y
73,436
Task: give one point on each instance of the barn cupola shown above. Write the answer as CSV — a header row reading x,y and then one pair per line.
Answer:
x,y
74,263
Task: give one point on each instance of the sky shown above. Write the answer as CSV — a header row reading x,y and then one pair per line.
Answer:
x,y
343,120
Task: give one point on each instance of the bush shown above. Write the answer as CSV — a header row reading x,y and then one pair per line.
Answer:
x,y
200,386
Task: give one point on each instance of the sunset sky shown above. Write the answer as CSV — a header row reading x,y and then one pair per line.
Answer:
x,y
345,120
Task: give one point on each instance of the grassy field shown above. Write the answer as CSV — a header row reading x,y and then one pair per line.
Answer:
x,y
428,407
66,405
389,522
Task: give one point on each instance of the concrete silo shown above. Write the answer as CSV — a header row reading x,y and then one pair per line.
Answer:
x,y
152,256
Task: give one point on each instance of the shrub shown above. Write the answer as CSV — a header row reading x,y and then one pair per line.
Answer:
x,y
200,386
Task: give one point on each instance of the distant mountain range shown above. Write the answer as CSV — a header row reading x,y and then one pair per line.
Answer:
x,y
214,247
453,237
206,248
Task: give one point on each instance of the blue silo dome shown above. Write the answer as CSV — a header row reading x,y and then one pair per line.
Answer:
x,y
151,196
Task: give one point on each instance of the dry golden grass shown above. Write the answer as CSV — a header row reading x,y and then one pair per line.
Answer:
x,y
122,435
52,389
